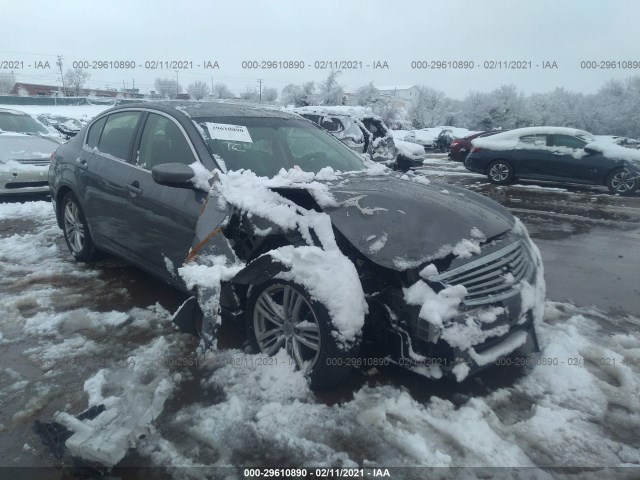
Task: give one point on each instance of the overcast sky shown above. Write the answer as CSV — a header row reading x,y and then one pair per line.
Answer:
x,y
393,31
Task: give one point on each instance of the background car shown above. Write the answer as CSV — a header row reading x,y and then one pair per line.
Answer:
x,y
67,126
460,147
25,148
556,154
376,138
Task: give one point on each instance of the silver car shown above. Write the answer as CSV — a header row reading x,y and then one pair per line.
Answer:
x,y
26,146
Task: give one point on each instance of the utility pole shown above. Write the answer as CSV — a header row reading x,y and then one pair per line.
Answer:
x,y
260,82
212,86
177,84
59,64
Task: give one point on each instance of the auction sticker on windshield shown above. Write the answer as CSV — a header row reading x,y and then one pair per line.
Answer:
x,y
222,131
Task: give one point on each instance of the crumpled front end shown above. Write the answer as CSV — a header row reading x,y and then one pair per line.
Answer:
x,y
467,317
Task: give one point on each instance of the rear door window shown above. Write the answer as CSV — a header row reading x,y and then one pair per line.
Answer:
x,y
118,134
94,133
534,140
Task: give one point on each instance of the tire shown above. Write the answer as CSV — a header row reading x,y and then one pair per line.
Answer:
x,y
619,182
75,229
500,172
271,327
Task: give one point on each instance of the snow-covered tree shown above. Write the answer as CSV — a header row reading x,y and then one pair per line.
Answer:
x,y
22,91
167,87
250,94
426,109
198,90
220,90
269,94
7,81
365,95
76,79
298,95
331,92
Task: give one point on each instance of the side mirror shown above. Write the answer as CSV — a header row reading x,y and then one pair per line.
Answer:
x,y
173,175
590,151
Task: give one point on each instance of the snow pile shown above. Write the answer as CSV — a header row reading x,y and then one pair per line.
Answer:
x,y
317,270
201,176
314,266
136,398
435,308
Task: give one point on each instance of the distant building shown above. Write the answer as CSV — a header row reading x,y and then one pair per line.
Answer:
x,y
401,95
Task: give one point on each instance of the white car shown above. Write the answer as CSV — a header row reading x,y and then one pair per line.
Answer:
x,y
26,146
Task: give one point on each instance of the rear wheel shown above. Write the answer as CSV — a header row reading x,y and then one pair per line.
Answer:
x,y
620,181
282,314
500,172
76,231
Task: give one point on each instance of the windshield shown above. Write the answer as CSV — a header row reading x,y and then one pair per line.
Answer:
x,y
266,145
11,122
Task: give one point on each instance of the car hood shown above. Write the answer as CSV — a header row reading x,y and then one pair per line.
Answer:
x,y
25,147
398,223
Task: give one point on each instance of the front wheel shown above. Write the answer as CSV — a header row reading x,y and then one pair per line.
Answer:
x,y
75,229
500,172
621,182
282,314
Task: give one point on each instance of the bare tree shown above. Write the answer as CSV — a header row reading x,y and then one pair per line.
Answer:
x,y
167,87
250,94
269,94
220,90
7,81
76,79
198,90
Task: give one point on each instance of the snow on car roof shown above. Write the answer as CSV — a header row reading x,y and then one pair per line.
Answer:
x,y
212,109
520,132
341,110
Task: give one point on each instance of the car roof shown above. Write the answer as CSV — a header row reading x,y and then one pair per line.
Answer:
x,y
337,111
519,132
209,109
13,112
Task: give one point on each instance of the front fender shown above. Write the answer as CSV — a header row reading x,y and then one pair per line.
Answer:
x,y
262,269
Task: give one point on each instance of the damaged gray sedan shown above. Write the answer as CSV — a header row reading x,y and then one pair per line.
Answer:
x,y
267,219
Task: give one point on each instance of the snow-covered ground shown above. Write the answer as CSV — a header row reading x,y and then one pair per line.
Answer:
x,y
67,327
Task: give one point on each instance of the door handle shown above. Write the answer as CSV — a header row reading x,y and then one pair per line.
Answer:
x,y
134,187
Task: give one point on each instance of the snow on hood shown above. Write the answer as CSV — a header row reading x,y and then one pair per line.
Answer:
x,y
25,147
613,151
409,149
391,204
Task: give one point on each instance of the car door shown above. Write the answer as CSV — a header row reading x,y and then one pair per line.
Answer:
x,y
162,219
102,167
532,159
572,163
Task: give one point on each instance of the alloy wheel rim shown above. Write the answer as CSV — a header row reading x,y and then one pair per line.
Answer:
x,y
499,172
73,227
284,318
622,182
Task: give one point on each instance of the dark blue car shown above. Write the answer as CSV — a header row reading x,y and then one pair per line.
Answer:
x,y
555,154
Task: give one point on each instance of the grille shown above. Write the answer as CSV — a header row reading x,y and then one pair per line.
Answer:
x,y
40,162
486,278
